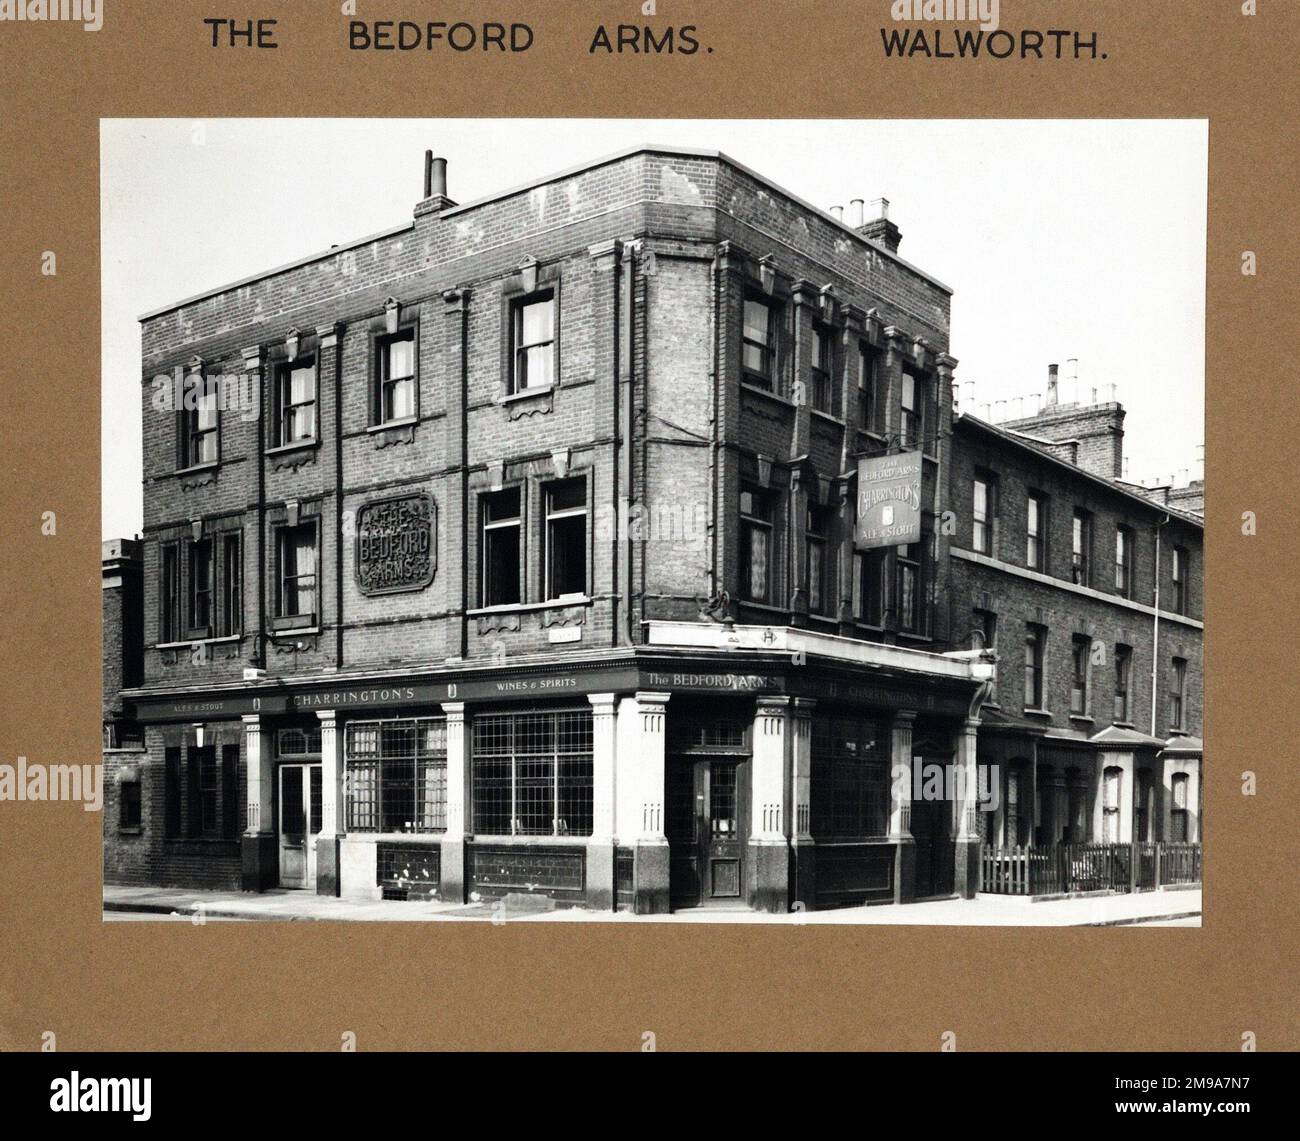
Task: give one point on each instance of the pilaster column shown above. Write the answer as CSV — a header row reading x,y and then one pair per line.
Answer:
x,y
451,872
803,887
651,869
601,887
769,805
260,782
652,708
967,866
604,765
900,805
331,755
259,866
332,801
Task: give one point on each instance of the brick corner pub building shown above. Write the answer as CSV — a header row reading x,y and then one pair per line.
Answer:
x,y
513,550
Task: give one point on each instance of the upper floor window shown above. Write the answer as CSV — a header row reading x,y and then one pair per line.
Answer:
x,y
758,343
565,546
867,383
910,419
532,360
1080,655
396,376
1035,644
502,547
1177,692
755,546
199,444
871,585
200,594
1124,561
821,560
909,562
1180,580
822,396
1036,531
1081,547
170,594
295,395
983,509
1123,673
231,611
295,596
986,623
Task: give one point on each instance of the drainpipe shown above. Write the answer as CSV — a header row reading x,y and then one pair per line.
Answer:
x,y
711,478
1155,631
624,317
338,496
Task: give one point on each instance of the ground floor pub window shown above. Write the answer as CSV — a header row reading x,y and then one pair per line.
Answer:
x,y
397,775
849,794
532,773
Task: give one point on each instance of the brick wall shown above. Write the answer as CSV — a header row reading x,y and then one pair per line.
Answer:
x,y
683,208
1018,598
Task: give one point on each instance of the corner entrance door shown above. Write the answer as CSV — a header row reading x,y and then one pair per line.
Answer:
x,y
708,811
300,813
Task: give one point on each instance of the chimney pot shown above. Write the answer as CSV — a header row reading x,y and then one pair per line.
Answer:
x,y
855,212
838,213
1052,385
880,208
435,176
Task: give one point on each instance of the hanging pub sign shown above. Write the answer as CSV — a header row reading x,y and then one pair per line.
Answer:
x,y
396,545
889,501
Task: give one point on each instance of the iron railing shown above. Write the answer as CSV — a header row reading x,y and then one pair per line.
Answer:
x,y
1060,868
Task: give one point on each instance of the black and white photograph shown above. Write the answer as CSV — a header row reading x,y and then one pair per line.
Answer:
x,y
615,520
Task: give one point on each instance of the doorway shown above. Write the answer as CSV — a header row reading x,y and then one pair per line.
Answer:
x,y
707,826
300,817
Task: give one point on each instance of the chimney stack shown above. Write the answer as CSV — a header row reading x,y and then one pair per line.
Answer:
x,y
435,186
880,229
1053,393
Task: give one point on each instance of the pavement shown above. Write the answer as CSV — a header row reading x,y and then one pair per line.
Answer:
x,y
1167,907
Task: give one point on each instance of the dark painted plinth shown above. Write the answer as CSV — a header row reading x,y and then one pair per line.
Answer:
x,y
771,864
650,880
905,872
967,870
259,862
803,875
327,865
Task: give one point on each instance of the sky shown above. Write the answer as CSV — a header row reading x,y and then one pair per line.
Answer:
x,y
1060,238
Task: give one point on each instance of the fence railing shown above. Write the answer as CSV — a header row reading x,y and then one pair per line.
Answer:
x,y
1056,868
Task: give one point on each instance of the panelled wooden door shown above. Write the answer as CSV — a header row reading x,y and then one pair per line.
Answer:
x,y
707,827
931,829
300,816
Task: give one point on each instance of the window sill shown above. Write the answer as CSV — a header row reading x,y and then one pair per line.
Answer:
x,y
1122,724
296,446
526,393
130,831
1083,717
404,422
295,624
187,643
767,393
545,838
211,465
1037,712
522,607
829,417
